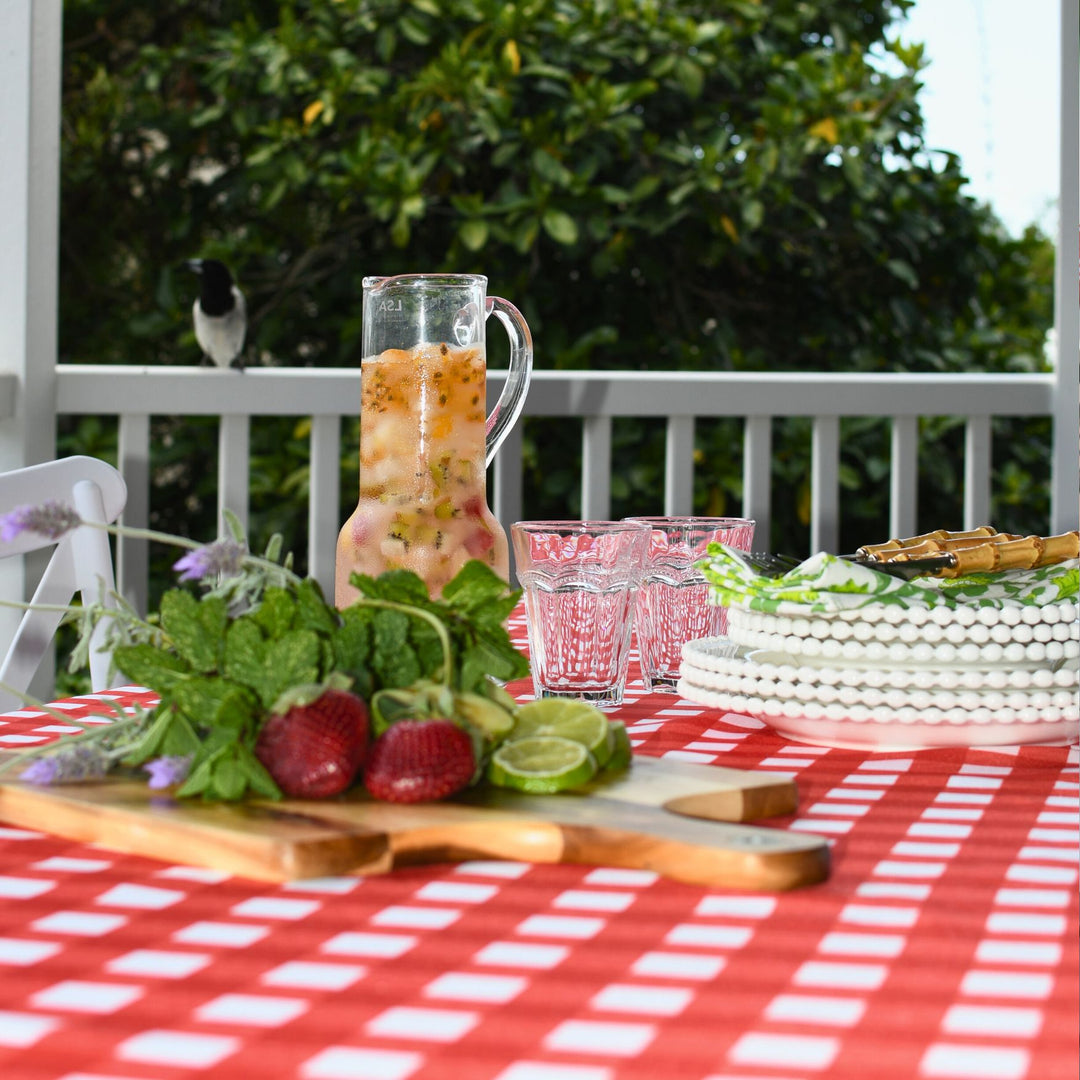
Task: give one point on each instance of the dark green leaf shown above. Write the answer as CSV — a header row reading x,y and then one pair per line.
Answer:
x,y
473,586
275,613
352,640
560,226
402,586
291,661
245,653
259,781
194,627
150,666
217,703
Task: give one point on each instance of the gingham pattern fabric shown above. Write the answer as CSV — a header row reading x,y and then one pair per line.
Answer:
x,y
943,945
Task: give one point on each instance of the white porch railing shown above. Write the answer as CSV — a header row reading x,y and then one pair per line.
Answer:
x,y
135,394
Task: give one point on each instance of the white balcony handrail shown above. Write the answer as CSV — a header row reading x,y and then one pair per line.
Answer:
x,y
135,394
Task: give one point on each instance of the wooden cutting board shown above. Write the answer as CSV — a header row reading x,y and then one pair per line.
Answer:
x,y
680,820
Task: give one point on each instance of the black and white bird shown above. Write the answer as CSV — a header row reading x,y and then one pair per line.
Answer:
x,y
220,314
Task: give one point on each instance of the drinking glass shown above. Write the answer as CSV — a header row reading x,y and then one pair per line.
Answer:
x,y
580,580
674,605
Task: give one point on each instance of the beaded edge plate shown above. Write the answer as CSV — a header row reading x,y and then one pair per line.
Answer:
x,y
853,724
721,654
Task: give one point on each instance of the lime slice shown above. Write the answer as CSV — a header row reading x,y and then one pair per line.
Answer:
x,y
569,719
541,765
483,713
623,753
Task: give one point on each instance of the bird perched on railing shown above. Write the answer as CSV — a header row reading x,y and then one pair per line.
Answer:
x,y
220,314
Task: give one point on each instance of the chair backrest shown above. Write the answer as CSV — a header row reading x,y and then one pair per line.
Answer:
x,y
81,562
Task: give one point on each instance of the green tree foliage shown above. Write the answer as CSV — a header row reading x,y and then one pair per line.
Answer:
x,y
731,185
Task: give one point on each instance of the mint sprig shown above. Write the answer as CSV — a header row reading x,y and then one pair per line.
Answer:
x,y
218,674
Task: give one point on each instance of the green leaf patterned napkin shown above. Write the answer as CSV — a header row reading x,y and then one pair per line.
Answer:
x,y
825,583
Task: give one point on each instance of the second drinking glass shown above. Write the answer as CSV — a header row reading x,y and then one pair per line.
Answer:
x,y
673,603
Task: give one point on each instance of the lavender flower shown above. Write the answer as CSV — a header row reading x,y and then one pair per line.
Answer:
x,y
42,770
168,770
221,558
52,519
77,761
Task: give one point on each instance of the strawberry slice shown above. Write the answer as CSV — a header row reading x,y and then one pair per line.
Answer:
x,y
419,761
314,748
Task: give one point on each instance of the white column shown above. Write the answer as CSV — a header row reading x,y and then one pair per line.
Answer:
x,y
30,66
1065,505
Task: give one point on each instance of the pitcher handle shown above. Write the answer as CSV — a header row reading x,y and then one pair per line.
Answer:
x,y
519,372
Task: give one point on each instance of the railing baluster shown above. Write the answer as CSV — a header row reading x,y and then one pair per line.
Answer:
x,y
133,556
904,476
234,467
977,469
324,505
679,466
505,496
757,477
596,467
506,479
825,484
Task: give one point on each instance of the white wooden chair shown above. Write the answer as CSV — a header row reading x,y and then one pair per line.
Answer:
x,y
81,561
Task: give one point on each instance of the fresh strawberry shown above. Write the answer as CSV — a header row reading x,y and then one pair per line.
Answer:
x,y
315,747
419,761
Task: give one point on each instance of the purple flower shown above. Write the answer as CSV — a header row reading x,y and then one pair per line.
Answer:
x,y
167,771
221,558
42,770
51,519
74,761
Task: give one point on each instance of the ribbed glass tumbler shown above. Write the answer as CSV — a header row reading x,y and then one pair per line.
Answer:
x,y
581,580
674,603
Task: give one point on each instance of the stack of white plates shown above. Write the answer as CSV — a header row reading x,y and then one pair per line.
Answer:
x,y
889,677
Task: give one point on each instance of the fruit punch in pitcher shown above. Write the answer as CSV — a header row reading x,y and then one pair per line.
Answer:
x,y
423,502
424,443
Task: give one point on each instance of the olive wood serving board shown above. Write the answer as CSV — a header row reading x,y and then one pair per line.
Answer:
x,y
680,820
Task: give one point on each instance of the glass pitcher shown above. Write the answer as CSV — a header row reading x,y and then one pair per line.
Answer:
x,y
425,438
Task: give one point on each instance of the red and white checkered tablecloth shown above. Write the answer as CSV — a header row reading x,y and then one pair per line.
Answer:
x,y
944,944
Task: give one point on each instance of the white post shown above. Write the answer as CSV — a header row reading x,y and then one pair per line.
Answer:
x,y
1065,497
30,68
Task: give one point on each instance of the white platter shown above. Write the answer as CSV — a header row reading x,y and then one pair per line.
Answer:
x,y
884,708
1020,637
723,655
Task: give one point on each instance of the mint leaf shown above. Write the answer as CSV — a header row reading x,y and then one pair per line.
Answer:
x,y
259,781
180,738
275,613
495,611
245,652
312,610
482,659
152,742
228,779
474,585
353,639
194,627
401,585
291,661
198,780
217,703
150,666
394,661
426,645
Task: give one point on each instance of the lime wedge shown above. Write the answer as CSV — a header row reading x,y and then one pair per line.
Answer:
x,y
623,753
541,765
569,719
